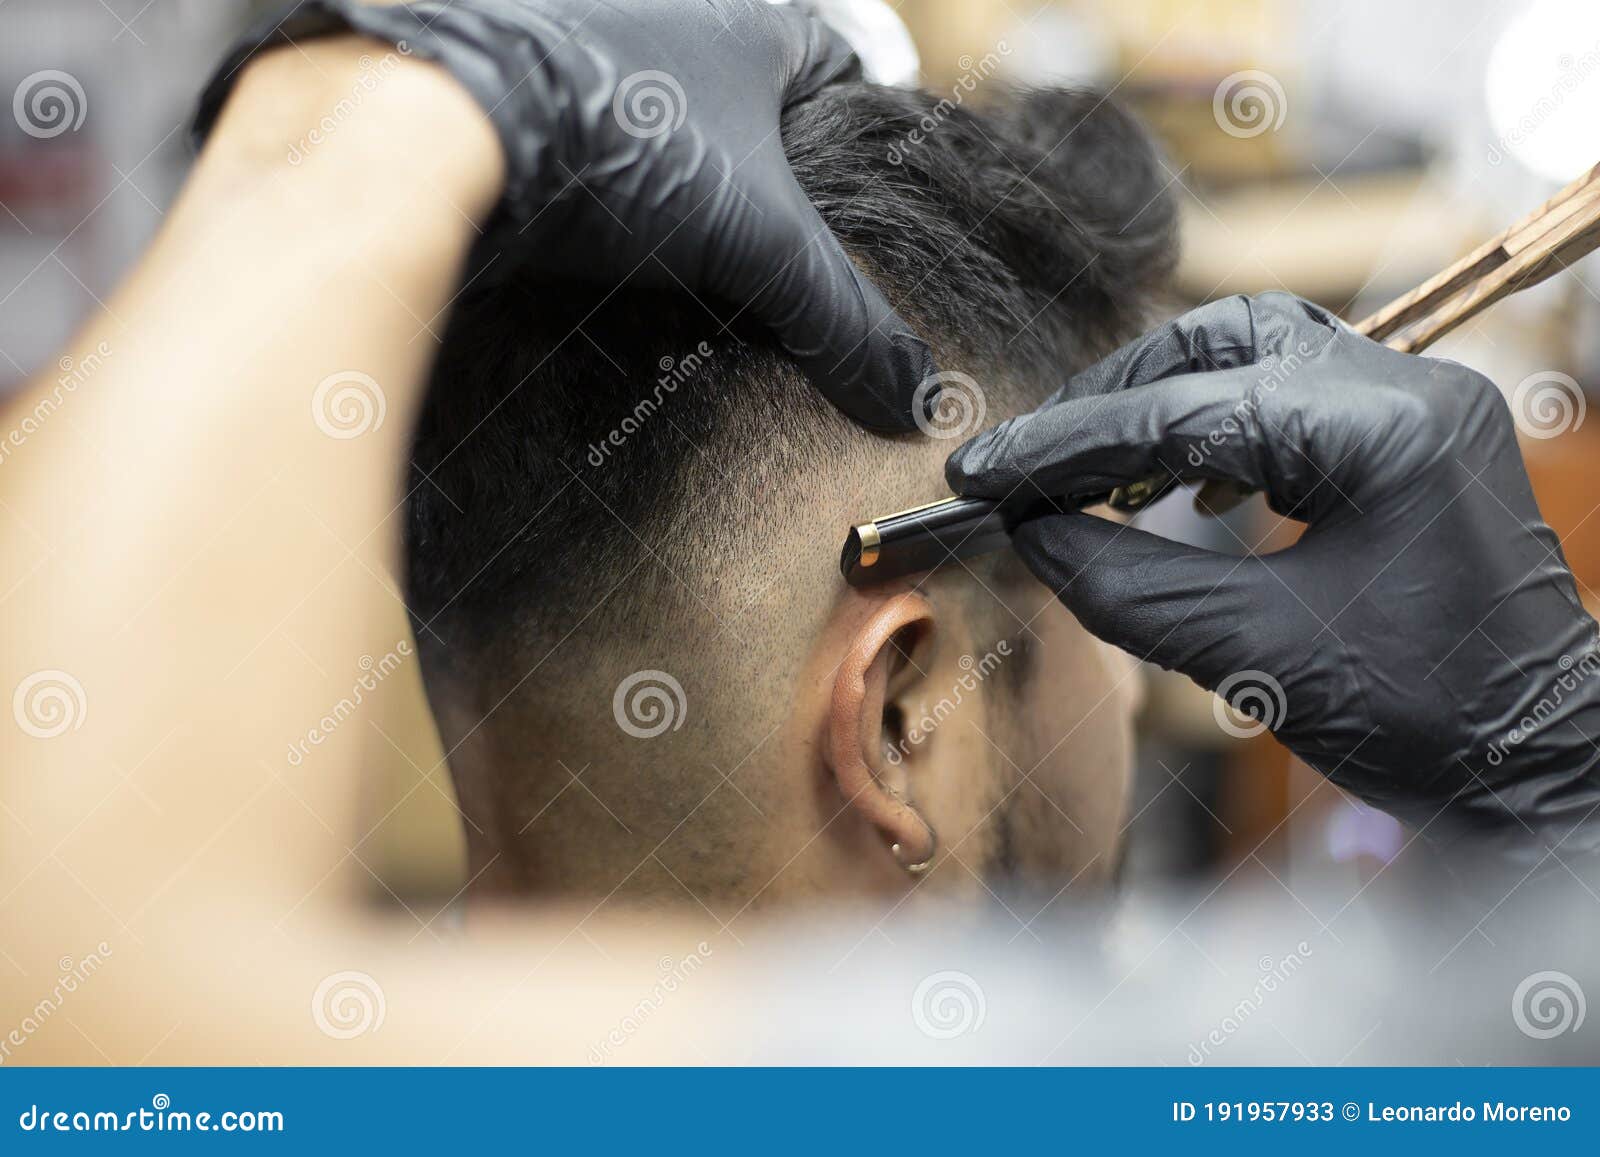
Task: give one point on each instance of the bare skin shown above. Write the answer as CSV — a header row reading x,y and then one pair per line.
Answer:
x,y
224,887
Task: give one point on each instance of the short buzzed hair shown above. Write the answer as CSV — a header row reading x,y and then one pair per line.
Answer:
x,y
569,428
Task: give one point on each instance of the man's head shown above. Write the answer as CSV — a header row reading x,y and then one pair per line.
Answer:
x,y
624,530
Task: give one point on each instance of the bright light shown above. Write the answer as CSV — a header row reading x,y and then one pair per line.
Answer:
x,y
1543,89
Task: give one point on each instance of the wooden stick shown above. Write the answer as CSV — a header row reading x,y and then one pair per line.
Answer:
x,y
1559,232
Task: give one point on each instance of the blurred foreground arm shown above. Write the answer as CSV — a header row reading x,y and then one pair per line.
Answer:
x,y
191,543
1422,644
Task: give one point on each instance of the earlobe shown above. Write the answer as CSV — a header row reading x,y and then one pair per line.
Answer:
x,y
876,662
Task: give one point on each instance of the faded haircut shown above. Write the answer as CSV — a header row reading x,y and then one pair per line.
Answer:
x,y
570,428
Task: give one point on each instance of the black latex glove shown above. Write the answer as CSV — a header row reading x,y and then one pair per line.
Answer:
x,y
641,141
1425,632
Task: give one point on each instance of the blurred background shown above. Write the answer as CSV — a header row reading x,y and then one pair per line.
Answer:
x,y
1344,150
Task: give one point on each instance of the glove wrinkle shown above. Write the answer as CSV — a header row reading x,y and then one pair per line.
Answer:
x,y
630,132
1424,634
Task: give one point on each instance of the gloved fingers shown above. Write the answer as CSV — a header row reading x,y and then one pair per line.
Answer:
x,y
813,53
1178,606
1201,425
792,274
1220,335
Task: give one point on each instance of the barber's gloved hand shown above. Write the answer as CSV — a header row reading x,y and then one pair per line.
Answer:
x,y
641,142
1422,644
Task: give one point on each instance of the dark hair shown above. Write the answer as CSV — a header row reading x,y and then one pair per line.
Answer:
x,y
1027,238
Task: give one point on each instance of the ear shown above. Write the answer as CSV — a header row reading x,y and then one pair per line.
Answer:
x,y
878,673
